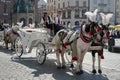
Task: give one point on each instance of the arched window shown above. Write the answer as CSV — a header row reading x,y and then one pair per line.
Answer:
x,y
30,20
76,22
24,21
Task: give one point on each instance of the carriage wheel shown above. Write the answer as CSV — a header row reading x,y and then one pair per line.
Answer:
x,y
40,53
18,47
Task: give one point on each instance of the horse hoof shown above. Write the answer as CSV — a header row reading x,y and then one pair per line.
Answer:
x,y
63,67
94,71
79,72
99,71
71,66
58,67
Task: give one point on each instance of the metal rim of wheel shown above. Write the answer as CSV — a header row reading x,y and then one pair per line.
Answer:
x,y
40,53
18,47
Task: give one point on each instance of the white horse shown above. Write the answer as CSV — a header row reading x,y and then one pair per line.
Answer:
x,y
83,42
11,35
104,39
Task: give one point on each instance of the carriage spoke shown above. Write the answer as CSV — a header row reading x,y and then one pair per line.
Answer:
x,y
40,53
18,47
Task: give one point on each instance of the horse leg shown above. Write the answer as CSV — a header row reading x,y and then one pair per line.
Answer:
x,y
93,60
99,61
80,60
6,44
74,53
12,45
62,58
58,60
99,65
58,52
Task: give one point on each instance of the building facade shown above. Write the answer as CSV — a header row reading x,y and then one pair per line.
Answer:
x,y
72,10
117,11
13,11
25,10
6,11
105,6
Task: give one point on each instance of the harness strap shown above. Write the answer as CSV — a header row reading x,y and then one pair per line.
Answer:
x,y
69,43
85,39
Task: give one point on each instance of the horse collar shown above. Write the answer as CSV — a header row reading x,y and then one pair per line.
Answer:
x,y
85,38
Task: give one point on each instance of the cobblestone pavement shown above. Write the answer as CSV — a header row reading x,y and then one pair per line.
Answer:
x,y
27,68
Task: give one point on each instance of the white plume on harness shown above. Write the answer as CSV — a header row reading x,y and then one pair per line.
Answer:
x,y
106,18
92,15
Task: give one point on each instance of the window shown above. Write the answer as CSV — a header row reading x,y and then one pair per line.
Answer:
x,y
68,4
64,14
63,4
77,3
54,2
84,4
76,22
69,13
77,13
30,20
95,2
64,23
58,5
83,13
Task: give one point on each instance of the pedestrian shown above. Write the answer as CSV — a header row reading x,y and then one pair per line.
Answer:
x,y
58,22
47,21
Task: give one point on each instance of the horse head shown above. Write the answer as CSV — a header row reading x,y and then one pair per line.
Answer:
x,y
91,29
105,27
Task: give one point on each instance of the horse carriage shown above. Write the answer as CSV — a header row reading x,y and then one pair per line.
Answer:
x,y
89,32
30,38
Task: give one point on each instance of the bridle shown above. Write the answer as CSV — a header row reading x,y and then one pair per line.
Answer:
x,y
93,32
